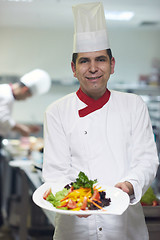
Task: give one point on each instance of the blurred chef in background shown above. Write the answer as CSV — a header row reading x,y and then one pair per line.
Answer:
x,y
33,83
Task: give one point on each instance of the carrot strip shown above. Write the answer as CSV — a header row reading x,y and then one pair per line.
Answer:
x,y
96,200
88,193
99,188
97,205
64,198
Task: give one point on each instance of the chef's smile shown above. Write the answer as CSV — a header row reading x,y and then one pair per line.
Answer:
x,y
94,78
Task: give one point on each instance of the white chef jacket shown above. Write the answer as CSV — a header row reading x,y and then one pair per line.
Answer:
x,y
6,105
112,144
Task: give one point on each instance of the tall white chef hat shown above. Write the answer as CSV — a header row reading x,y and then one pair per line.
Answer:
x,y
90,28
38,81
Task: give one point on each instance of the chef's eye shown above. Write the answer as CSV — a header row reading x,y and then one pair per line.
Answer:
x,y
83,60
101,59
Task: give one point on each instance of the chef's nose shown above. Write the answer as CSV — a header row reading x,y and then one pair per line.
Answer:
x,y
93,67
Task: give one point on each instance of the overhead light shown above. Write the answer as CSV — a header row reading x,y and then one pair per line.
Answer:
x,y
119,16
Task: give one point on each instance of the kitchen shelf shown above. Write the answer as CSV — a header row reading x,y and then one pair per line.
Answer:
x,y
137,88
150,211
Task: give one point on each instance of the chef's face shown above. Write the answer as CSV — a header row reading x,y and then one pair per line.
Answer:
x,y
23,93
93,70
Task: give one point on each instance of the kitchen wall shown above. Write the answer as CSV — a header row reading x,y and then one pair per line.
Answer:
x,y
32,110
22,50
25,49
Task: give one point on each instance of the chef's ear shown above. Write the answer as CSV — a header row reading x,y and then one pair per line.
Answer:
x,y
73,66
112,65
26,90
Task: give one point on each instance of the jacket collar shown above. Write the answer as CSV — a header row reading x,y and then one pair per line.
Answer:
x,y
92,104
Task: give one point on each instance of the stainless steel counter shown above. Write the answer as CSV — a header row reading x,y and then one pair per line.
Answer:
x,y
21,212
152,217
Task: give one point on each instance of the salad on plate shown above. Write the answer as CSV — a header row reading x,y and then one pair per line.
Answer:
x,y
82,194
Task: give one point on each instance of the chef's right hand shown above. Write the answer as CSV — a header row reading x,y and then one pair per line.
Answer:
x,y
126,187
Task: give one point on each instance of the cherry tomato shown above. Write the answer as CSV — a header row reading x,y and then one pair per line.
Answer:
x,y
71,189
71,204
154,203
143,204
84,204
96,195
45,195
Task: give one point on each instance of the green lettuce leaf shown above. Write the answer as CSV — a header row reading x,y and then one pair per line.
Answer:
x,y
55,199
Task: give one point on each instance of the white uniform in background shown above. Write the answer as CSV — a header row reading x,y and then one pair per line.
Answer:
x,y
112,144
38,82
6,105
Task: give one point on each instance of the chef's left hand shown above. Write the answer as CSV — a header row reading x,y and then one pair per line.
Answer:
x,y
34,128
126,187
83,216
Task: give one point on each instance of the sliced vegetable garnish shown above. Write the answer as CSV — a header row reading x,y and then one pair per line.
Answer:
x,y
83,181
79,195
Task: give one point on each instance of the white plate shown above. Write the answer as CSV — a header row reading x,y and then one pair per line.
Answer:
x,y
119,200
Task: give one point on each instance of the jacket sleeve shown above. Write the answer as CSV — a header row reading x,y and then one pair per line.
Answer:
x,y
145,160
56,149
6,121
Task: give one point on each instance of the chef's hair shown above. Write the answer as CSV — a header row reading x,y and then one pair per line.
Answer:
x,y
21,84
75,55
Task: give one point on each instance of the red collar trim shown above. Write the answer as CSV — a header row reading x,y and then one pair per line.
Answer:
x,y
93,105
11,85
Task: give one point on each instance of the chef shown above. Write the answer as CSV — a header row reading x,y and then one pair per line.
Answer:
x,y
32,83
104,133
35,82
